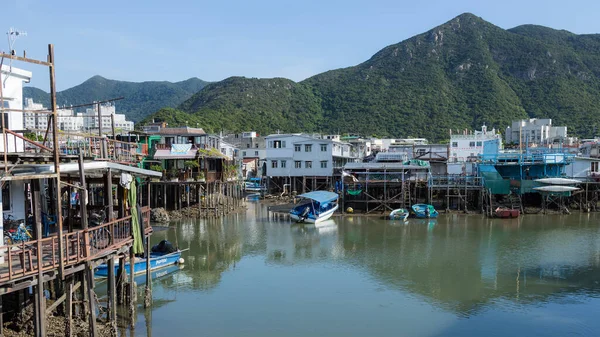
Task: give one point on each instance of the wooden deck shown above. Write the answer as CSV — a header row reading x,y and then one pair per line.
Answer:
x,y
23,260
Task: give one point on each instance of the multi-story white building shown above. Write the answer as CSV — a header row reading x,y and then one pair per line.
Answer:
x,y
296,155
67,119
91,122
12,198
469,145
251,152
535,131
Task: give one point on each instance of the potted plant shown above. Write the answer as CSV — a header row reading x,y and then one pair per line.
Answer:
x,y
200,176
157,168
174,174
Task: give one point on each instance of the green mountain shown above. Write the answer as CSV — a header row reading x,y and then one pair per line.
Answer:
x,y
459,75
140,99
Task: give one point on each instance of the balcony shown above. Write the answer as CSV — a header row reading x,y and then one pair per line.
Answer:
x,y
101,148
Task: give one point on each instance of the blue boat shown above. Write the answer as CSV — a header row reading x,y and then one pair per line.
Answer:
x,y
316,206
156,261
424,211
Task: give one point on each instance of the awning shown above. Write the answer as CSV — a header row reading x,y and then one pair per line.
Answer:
x,y
320,196
167,154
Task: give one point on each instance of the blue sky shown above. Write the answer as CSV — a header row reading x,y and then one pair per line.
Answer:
x,y
212,40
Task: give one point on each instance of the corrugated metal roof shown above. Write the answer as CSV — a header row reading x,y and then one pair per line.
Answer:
x,y
382,166
166,154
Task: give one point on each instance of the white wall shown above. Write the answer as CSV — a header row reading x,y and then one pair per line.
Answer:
x,y
12,89
580,167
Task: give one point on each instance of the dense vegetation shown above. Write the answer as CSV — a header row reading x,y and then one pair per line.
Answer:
x,y
141,99
459,75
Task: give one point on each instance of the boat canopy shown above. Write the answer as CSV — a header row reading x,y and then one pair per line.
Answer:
x,y
320,196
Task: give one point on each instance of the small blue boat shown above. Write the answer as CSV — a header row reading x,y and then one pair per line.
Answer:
x,y
316,207
424,211
156,261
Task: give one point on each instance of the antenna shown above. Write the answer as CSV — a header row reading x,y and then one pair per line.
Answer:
x,y
12,35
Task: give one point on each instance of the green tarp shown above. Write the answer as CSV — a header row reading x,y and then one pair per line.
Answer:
x,y
354,192
138,245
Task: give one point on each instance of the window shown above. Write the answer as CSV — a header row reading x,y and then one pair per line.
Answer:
x,y
594,169
273,163
296,148
6,197
308,164
277,144
324,164
478,143
283,164
297,164
307,148
247,146
454,144
257,146
256,153
323,147
243,154
471,144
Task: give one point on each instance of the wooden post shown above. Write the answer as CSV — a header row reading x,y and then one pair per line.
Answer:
x,y
131,286
40,303
112,304
89,275
56,157
120,281
69,309
164,196
148,290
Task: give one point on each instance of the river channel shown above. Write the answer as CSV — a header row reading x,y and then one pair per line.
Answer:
x,y
459,275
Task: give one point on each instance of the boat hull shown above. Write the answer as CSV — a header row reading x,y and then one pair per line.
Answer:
x,y
507,213
156,262
399,214
419,210
322,217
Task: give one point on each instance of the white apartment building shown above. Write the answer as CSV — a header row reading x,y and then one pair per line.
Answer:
x,y
67,119
469,145
296,155
91,122
535,131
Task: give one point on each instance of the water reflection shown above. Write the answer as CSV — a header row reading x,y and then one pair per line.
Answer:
x,y
463,265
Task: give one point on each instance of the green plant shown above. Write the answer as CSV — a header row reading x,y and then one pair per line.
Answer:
x,y
191,164
174,172
157,168
200,176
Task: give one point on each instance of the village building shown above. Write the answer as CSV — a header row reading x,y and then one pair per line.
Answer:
x,y
535,131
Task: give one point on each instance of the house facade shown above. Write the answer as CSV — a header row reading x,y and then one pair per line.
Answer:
x,y
13,192
468,146
297,155
536,131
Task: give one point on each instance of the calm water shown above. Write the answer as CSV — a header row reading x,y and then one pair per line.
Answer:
x,y
456,276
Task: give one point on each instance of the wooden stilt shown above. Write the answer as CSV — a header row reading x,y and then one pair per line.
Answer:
x,y
112,303
121,281
148,290
69,309
89,275
131,287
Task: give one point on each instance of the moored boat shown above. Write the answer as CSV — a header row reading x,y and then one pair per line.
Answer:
x,y
424,211
503,212
556,188
157,261
558,181
315,207
399,214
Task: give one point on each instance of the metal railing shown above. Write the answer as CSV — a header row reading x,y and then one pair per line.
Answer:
x,y
455,181
101,148
22,259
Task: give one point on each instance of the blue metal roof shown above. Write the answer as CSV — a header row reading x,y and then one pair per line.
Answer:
x,y
320,196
